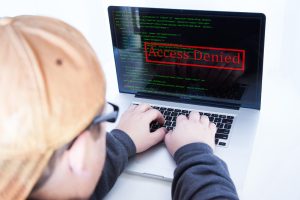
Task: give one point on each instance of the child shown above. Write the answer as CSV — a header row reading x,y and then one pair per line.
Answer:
x,y
53,144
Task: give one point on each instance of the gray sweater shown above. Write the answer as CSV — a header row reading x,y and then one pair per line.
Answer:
x,y
199,173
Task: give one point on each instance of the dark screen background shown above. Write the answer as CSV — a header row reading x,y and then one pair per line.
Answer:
x,y
131,27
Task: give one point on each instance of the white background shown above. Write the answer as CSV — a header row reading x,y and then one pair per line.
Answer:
x,y
274,170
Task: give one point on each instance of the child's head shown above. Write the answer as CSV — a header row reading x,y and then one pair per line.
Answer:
x,y
51,87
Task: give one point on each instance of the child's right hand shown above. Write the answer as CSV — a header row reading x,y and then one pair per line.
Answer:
x,y
135,122
193,129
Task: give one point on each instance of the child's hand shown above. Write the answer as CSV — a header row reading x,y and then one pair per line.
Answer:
x,y
136,123
194,129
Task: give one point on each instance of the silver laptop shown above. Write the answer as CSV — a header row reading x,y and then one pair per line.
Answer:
x,y
184,60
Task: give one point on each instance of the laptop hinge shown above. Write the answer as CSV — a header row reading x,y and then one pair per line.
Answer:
x,y
188,100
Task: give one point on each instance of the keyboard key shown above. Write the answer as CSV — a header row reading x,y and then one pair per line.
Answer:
x,y
222,116
221,136
207,114
173,114
222,143
166,113
153,123
216,141
168,123
230,117
217,120
169,118
155,126
227,121
170,109
227,126
177,110
214,115
220,130
169,128
220,125
211,119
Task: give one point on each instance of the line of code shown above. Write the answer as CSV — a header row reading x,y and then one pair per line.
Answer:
x,y
155,51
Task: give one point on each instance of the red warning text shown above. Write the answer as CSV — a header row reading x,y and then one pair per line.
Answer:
x,y
197,56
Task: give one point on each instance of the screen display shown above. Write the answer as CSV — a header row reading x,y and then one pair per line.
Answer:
x,y
188,55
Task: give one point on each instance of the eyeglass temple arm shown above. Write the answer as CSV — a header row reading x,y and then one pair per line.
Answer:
x,y
111,117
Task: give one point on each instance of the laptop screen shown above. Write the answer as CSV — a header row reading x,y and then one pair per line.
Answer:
x,y
188,55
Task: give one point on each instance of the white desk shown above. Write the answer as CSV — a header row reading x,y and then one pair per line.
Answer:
x,y
274,169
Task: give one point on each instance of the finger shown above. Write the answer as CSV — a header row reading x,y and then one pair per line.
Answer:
x,y
143,107
168,142
158,135
167,138
213,127
181,118
154,115
132,107
195,116
204,120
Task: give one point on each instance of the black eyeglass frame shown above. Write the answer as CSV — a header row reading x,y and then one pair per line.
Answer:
x,y
110,117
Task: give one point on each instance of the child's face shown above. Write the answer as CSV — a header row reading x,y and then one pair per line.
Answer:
x,y
78,170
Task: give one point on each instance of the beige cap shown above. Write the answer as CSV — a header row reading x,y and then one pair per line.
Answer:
x,y
51,87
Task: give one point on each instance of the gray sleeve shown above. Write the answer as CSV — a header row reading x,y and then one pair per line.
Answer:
x,y
201,175
119,147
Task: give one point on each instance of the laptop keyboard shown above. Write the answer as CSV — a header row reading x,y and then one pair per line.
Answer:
x,y
222,121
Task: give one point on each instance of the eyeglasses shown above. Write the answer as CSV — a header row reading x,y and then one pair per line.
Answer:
x,y
109,117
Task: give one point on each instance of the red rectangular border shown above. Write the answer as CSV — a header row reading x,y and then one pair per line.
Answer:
x,y
196,47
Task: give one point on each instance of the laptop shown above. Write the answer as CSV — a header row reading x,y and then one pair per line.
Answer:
x,y
182,60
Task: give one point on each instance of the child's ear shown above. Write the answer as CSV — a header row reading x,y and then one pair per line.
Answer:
x,y
78,154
